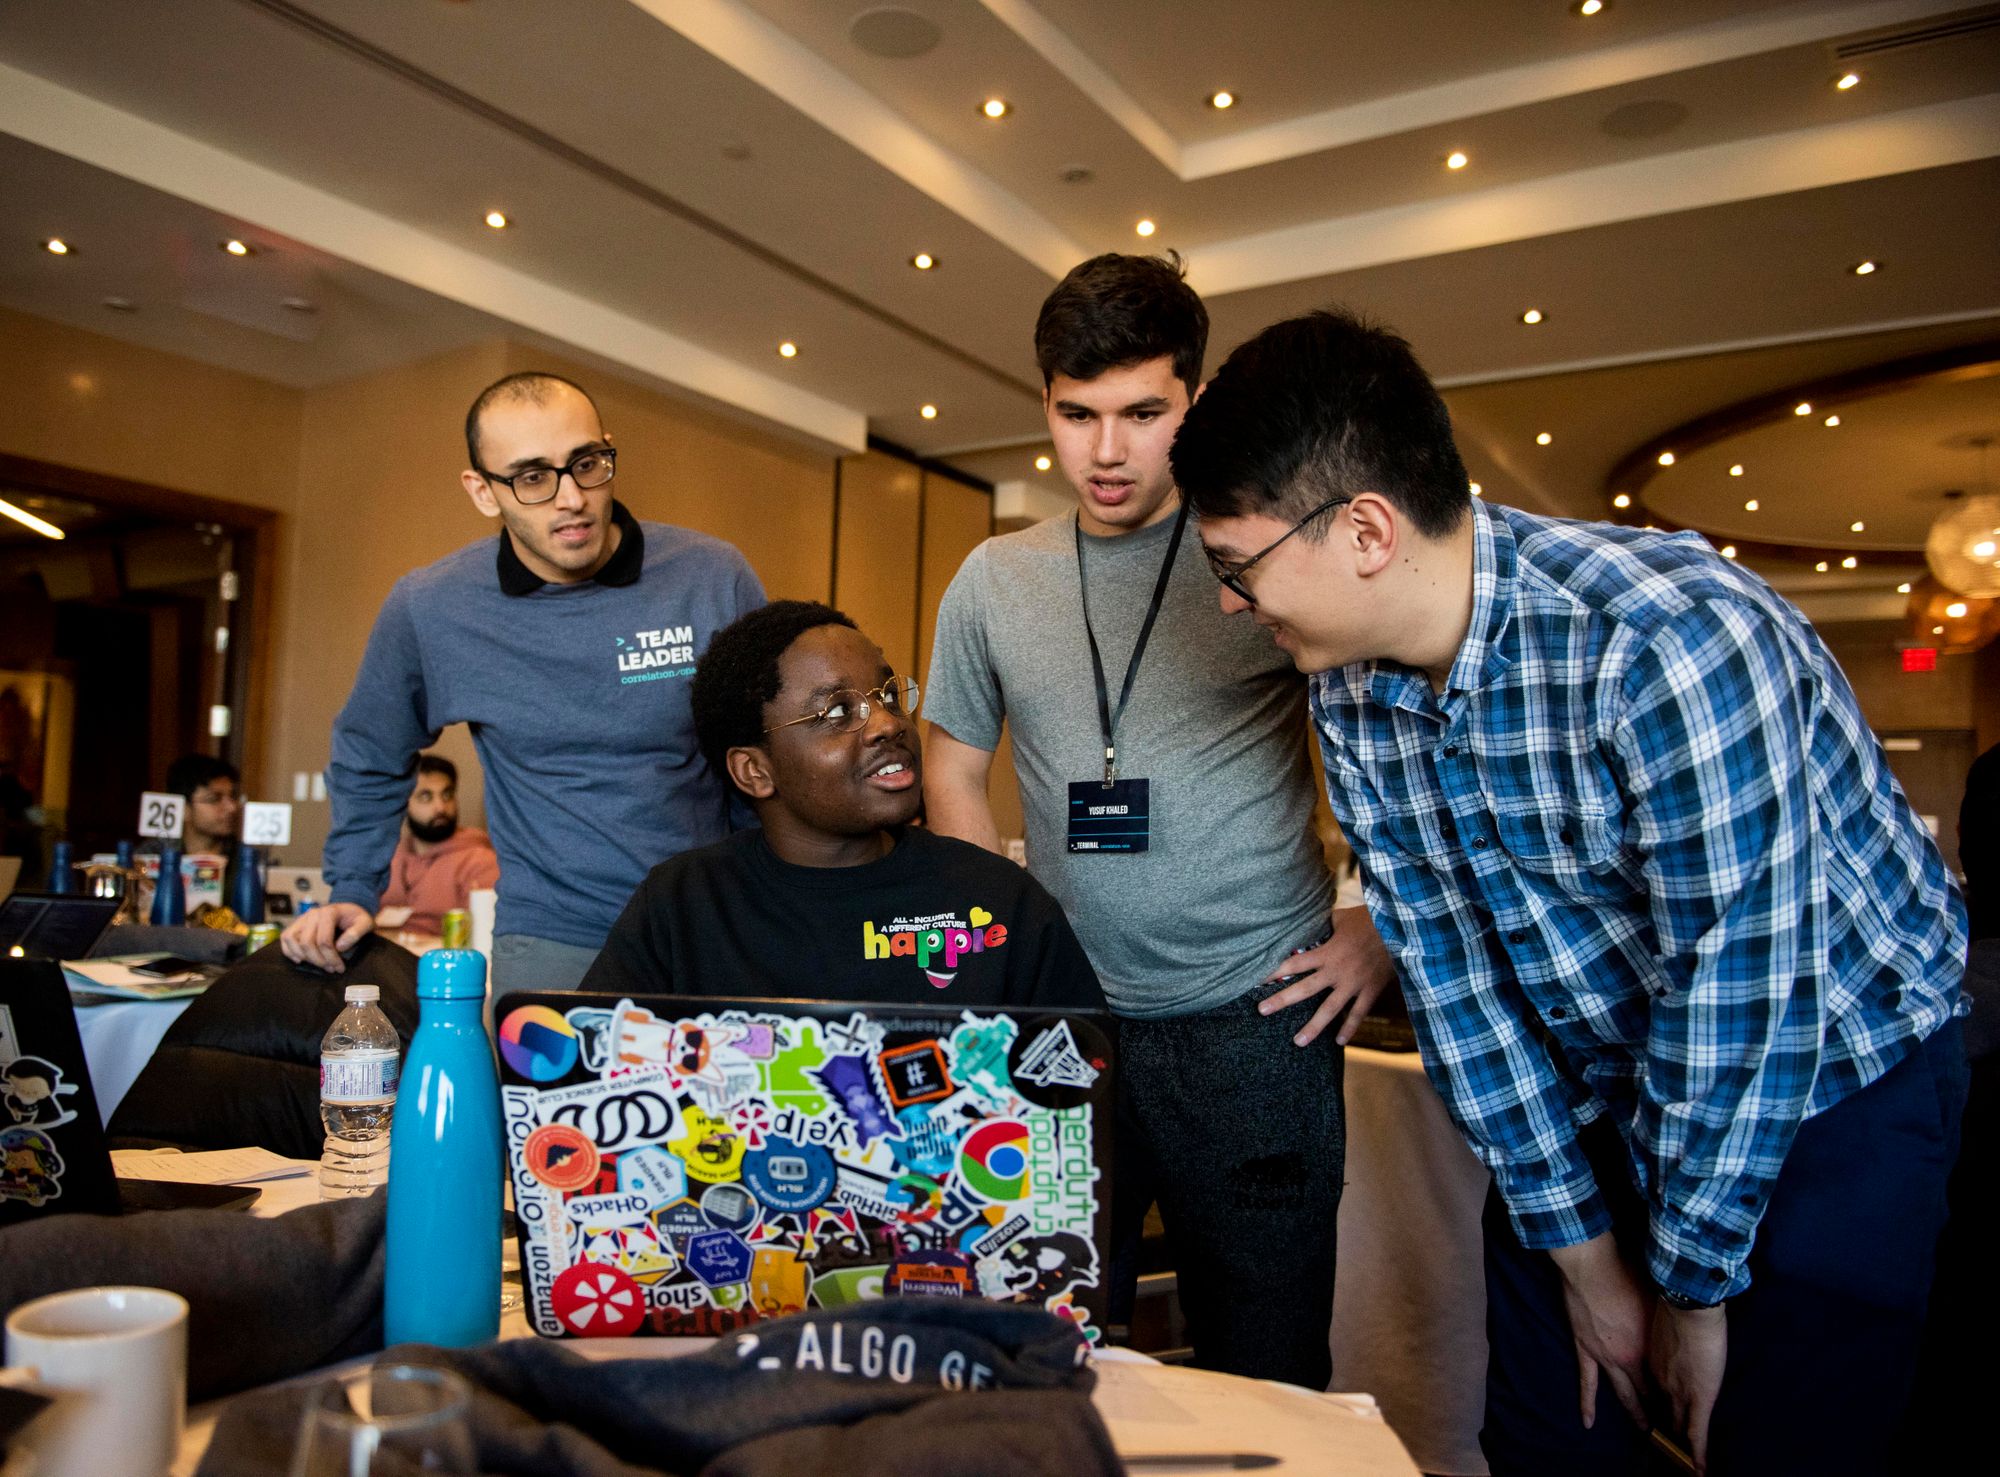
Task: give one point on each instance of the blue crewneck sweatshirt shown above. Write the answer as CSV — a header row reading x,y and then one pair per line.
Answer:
x,y
577,698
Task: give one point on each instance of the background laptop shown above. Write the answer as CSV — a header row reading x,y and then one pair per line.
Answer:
x,y
53,1157
41,925
686,1166
286,887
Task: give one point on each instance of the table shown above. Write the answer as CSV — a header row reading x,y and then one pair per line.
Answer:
x,y
119,1038
1147,1407
1409,1303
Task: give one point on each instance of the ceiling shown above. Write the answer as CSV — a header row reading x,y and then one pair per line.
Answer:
x,y
1679,188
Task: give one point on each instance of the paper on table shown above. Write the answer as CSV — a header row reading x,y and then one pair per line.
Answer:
x,y
114,976
249,1166
1180,1414
387,918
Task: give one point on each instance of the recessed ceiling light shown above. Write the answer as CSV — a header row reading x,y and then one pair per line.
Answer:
x,y
1145,228
1857,526
1477,490
1588,7
1666,458
788,350
1222,99
1847,80
1833,420
1804,407
1903,588
923,261
929,412
1957,609
1729,551
995,107
1985,549
1751,506
1937,630
121,305
1456,159
235,247
1533,315
496,220
56,246
1850,562
1042,464
1864,269
1623,500
1544,439
1736,470
1820,568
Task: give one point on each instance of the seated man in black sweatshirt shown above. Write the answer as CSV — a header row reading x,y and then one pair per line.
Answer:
x,y
838,896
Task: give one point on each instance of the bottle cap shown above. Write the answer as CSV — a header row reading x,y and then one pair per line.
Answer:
x,y
451,974
366,994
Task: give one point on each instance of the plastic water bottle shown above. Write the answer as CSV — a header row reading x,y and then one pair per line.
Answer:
x,y
446,1175
357,1096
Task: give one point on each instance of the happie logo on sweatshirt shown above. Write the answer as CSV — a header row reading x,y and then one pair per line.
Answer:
x,y
647,656
934,939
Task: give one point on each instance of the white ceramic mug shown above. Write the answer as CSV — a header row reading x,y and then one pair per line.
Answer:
x,y
115,1359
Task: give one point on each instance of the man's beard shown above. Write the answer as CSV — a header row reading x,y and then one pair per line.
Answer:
x,y
438,828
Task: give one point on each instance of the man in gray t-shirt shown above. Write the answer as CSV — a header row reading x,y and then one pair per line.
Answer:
x,y
1231,1096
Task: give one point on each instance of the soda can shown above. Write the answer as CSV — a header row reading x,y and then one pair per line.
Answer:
x,y
457,929
260,935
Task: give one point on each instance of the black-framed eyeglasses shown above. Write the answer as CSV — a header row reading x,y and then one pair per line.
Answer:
x,y
533,485
848,711
1231,575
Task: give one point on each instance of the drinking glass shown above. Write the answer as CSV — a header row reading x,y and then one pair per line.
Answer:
x,y
387,1419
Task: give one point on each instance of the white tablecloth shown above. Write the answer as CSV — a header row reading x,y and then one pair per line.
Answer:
x,y
119,1038
1409,1304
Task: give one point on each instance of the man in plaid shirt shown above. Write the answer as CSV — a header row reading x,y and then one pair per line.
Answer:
x,y
1680,959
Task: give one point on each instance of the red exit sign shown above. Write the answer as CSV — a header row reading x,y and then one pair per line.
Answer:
x,y
1920,659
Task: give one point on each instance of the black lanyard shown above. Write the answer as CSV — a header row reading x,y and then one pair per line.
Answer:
x,y
1107,719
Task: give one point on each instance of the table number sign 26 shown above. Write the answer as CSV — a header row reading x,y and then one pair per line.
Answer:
x,y
161,815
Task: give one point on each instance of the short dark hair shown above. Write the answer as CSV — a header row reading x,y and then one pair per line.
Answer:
x,y
738,673
437,764
1115,310
191,771
1314,408
533,385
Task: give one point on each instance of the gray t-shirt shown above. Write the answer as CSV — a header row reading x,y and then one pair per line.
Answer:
x,y
1217,723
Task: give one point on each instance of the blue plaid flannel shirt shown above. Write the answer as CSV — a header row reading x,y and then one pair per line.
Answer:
x,y
1643,858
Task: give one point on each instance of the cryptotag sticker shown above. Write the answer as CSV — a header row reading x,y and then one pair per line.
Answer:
x,y
598,1302
561,1157
788,1176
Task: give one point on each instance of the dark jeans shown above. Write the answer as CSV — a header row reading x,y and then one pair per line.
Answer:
x,y
1823,1345
1241,1138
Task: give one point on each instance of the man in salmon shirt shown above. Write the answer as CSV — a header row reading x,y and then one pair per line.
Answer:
x,y
437,866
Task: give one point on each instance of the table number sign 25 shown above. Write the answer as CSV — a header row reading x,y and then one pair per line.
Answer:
x,y
267,823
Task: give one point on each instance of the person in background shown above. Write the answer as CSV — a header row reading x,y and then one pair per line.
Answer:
x,y
214,792
566,645
803,713
437,865
1680,958
1213,941
1979,845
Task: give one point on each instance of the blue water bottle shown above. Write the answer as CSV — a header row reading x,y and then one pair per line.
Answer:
x,y
246,893
445,1166
62,869
170,908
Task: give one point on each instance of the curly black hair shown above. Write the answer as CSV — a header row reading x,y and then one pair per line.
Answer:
x,y
191,771
738,673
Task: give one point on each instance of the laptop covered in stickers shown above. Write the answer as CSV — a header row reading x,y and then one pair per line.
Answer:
x,y
685,1166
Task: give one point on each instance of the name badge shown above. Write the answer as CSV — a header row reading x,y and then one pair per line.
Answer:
x,y
1115,817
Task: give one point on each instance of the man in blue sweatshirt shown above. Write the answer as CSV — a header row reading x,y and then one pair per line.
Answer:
x,y
567,647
